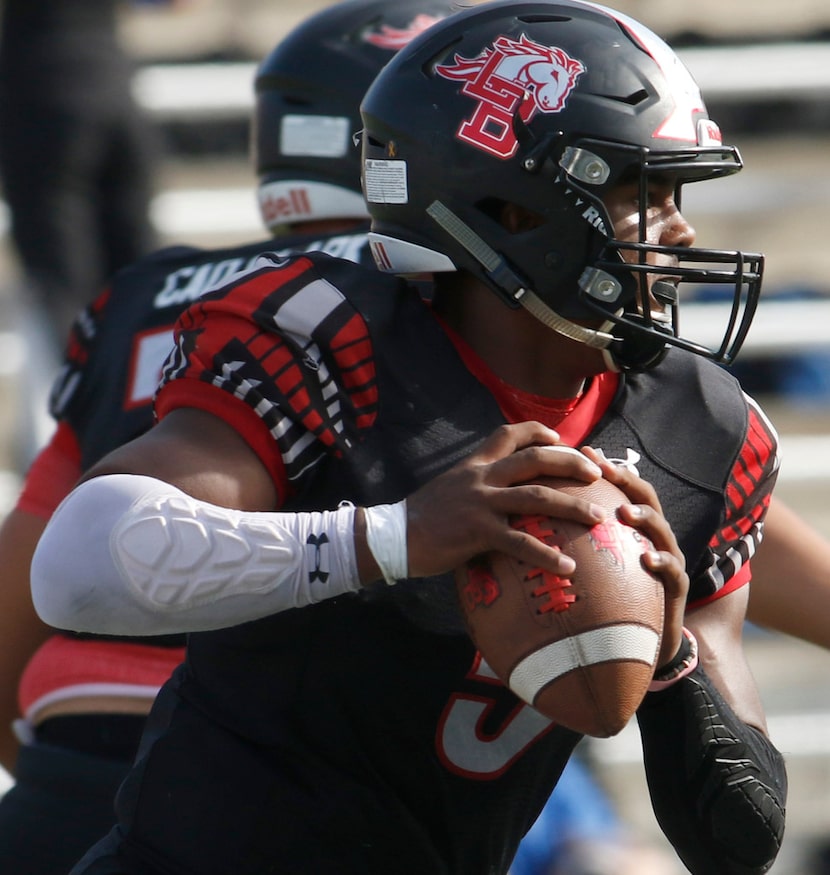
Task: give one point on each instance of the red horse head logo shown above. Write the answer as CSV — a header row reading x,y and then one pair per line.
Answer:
x,y
513,76
395,38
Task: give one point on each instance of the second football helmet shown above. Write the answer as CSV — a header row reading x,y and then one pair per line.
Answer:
x,y
549,105
308,93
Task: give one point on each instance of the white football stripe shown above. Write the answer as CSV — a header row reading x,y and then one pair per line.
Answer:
x,y
628,641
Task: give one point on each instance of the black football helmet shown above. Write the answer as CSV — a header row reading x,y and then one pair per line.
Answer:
x,y
549,104
308,93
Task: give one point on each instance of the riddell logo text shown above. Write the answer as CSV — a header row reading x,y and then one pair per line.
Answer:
x,y
293,205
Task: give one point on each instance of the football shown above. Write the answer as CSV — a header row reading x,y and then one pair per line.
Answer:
x,y
581,650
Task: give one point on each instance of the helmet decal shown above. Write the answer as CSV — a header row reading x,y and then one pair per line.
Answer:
x,y
395,38
708,133
680,123
512,74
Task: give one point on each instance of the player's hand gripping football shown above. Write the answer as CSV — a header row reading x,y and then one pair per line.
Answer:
x,y
465,511
666,560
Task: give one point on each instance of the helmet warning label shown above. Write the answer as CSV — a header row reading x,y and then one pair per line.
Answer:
x,y
384,181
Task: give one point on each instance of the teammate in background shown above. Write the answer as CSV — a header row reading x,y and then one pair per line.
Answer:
x,y
84,699
529,154
77,155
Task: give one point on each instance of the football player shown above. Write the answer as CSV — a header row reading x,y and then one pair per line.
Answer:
x,y
83,698
330,448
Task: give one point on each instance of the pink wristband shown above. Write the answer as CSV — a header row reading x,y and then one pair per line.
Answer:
x,y
677,669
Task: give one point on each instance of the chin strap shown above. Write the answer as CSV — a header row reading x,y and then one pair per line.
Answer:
x,y
499,272
633,357
627,353
596,338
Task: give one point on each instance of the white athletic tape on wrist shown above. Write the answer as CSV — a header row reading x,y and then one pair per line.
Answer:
x,y
126,554
386,538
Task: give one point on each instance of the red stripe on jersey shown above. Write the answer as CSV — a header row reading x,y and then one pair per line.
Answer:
x,y
290,381
281,364
761,438
252,291
352,348
367,398
753,466
98,305
76,352
64,667
360,349
233,411
743,526
753,460
268,350
314,423
741,578
301,403
288,377
243,298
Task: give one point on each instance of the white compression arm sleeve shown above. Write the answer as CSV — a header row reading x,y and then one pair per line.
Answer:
x,y
132,555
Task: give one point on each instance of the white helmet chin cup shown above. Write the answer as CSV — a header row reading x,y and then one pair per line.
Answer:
x,y
285,201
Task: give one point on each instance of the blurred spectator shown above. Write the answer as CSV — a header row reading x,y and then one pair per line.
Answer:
x,y
76,154
579,832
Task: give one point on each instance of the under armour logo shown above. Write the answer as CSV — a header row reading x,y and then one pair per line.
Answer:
x,y
316,560
632,457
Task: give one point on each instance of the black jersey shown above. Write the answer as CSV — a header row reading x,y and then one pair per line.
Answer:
x,y
364,734
118,344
